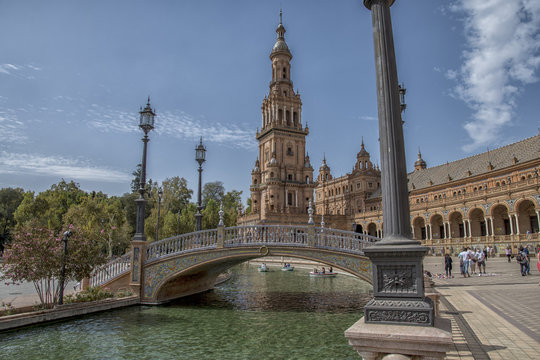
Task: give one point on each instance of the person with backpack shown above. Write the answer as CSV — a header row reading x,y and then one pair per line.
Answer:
x,y
522,260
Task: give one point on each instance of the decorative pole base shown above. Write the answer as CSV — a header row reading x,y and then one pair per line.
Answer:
x,y
398,285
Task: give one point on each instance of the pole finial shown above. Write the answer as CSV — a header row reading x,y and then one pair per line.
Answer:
x,y
280,15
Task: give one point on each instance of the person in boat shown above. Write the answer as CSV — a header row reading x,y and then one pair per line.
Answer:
x,y
330,270
315,270
323,271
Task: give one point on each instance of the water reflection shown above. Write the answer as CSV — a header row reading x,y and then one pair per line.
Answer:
x,y
254,316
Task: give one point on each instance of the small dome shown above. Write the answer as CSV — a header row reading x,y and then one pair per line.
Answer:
x,y
280,46
363,152
273,161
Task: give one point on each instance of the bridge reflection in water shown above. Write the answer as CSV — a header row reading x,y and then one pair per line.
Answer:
x,y
190,263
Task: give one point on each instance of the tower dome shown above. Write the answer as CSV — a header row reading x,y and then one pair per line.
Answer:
x,y
420,163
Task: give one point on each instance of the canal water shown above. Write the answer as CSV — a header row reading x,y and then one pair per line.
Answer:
x,y
273,315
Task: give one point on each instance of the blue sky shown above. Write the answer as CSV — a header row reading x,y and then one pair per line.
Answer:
x,y
73,75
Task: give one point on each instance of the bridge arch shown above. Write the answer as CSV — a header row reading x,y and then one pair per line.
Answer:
x,y
190,263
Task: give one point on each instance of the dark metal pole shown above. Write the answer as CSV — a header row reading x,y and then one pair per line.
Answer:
x,y
67,234
395,195
398,281
141,201
198,216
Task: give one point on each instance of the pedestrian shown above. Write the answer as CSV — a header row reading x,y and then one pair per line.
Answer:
x,y
486,252
481,261
522,260
464,262
508,253
448,266
472,261
526,252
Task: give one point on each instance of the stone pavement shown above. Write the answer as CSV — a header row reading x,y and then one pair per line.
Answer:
x,y
495,316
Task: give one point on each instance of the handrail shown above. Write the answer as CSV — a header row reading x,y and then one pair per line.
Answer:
x,y
185,242
111,270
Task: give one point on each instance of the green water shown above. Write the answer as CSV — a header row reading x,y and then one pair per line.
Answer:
x,y
274,315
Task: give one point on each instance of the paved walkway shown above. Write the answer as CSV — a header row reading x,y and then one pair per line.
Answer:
x,y
495,316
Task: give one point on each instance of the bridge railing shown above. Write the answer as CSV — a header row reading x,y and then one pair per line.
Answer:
x,y
342,240
324,238
266,234
192,241
111,270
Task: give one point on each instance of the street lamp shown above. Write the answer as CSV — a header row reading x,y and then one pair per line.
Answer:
x,y
67,234
200,153
160,195
146,124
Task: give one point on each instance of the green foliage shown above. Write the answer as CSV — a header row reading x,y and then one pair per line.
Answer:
x,y
248,208
212,191
187,219
49,207
103,215
87,295
210,214
176,194
10,199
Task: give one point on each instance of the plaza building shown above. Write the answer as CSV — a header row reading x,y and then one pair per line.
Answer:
x,y
282,179
490,199
487,199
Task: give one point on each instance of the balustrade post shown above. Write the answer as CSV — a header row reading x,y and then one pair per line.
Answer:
x,y
220,236
138,255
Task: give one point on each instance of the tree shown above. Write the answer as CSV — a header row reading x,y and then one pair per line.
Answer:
x,y
212,190
35,255
210,215
232,204
10,200
187,219
248,207
176,194
50,206
31,209
103,215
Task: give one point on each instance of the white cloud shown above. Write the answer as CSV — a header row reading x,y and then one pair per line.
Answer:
x,y
178,125
502,56
368,118
11,128
10,69
37,164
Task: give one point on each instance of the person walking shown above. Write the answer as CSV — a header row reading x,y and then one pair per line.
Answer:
x,y
522,260
448,265
472,261
526,252
464,262
481,262
509,253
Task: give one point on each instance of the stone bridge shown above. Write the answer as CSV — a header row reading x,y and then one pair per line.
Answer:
x,y
190,263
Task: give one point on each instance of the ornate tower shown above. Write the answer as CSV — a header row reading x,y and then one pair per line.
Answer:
x,y
282,180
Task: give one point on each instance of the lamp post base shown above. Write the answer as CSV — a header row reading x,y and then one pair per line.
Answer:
x,y
384,341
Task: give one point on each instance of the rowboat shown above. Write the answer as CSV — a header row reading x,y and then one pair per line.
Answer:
x,y
287,268
262,268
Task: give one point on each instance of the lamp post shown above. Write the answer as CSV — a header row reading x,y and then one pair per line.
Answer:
x,y
67,234
160,195
200,153
146,123
178,232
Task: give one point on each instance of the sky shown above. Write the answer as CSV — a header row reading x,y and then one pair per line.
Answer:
x,y
74,74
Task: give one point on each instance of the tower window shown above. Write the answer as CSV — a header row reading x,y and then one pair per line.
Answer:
x,y
280,115
289,151
284,73
290,177
289,199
